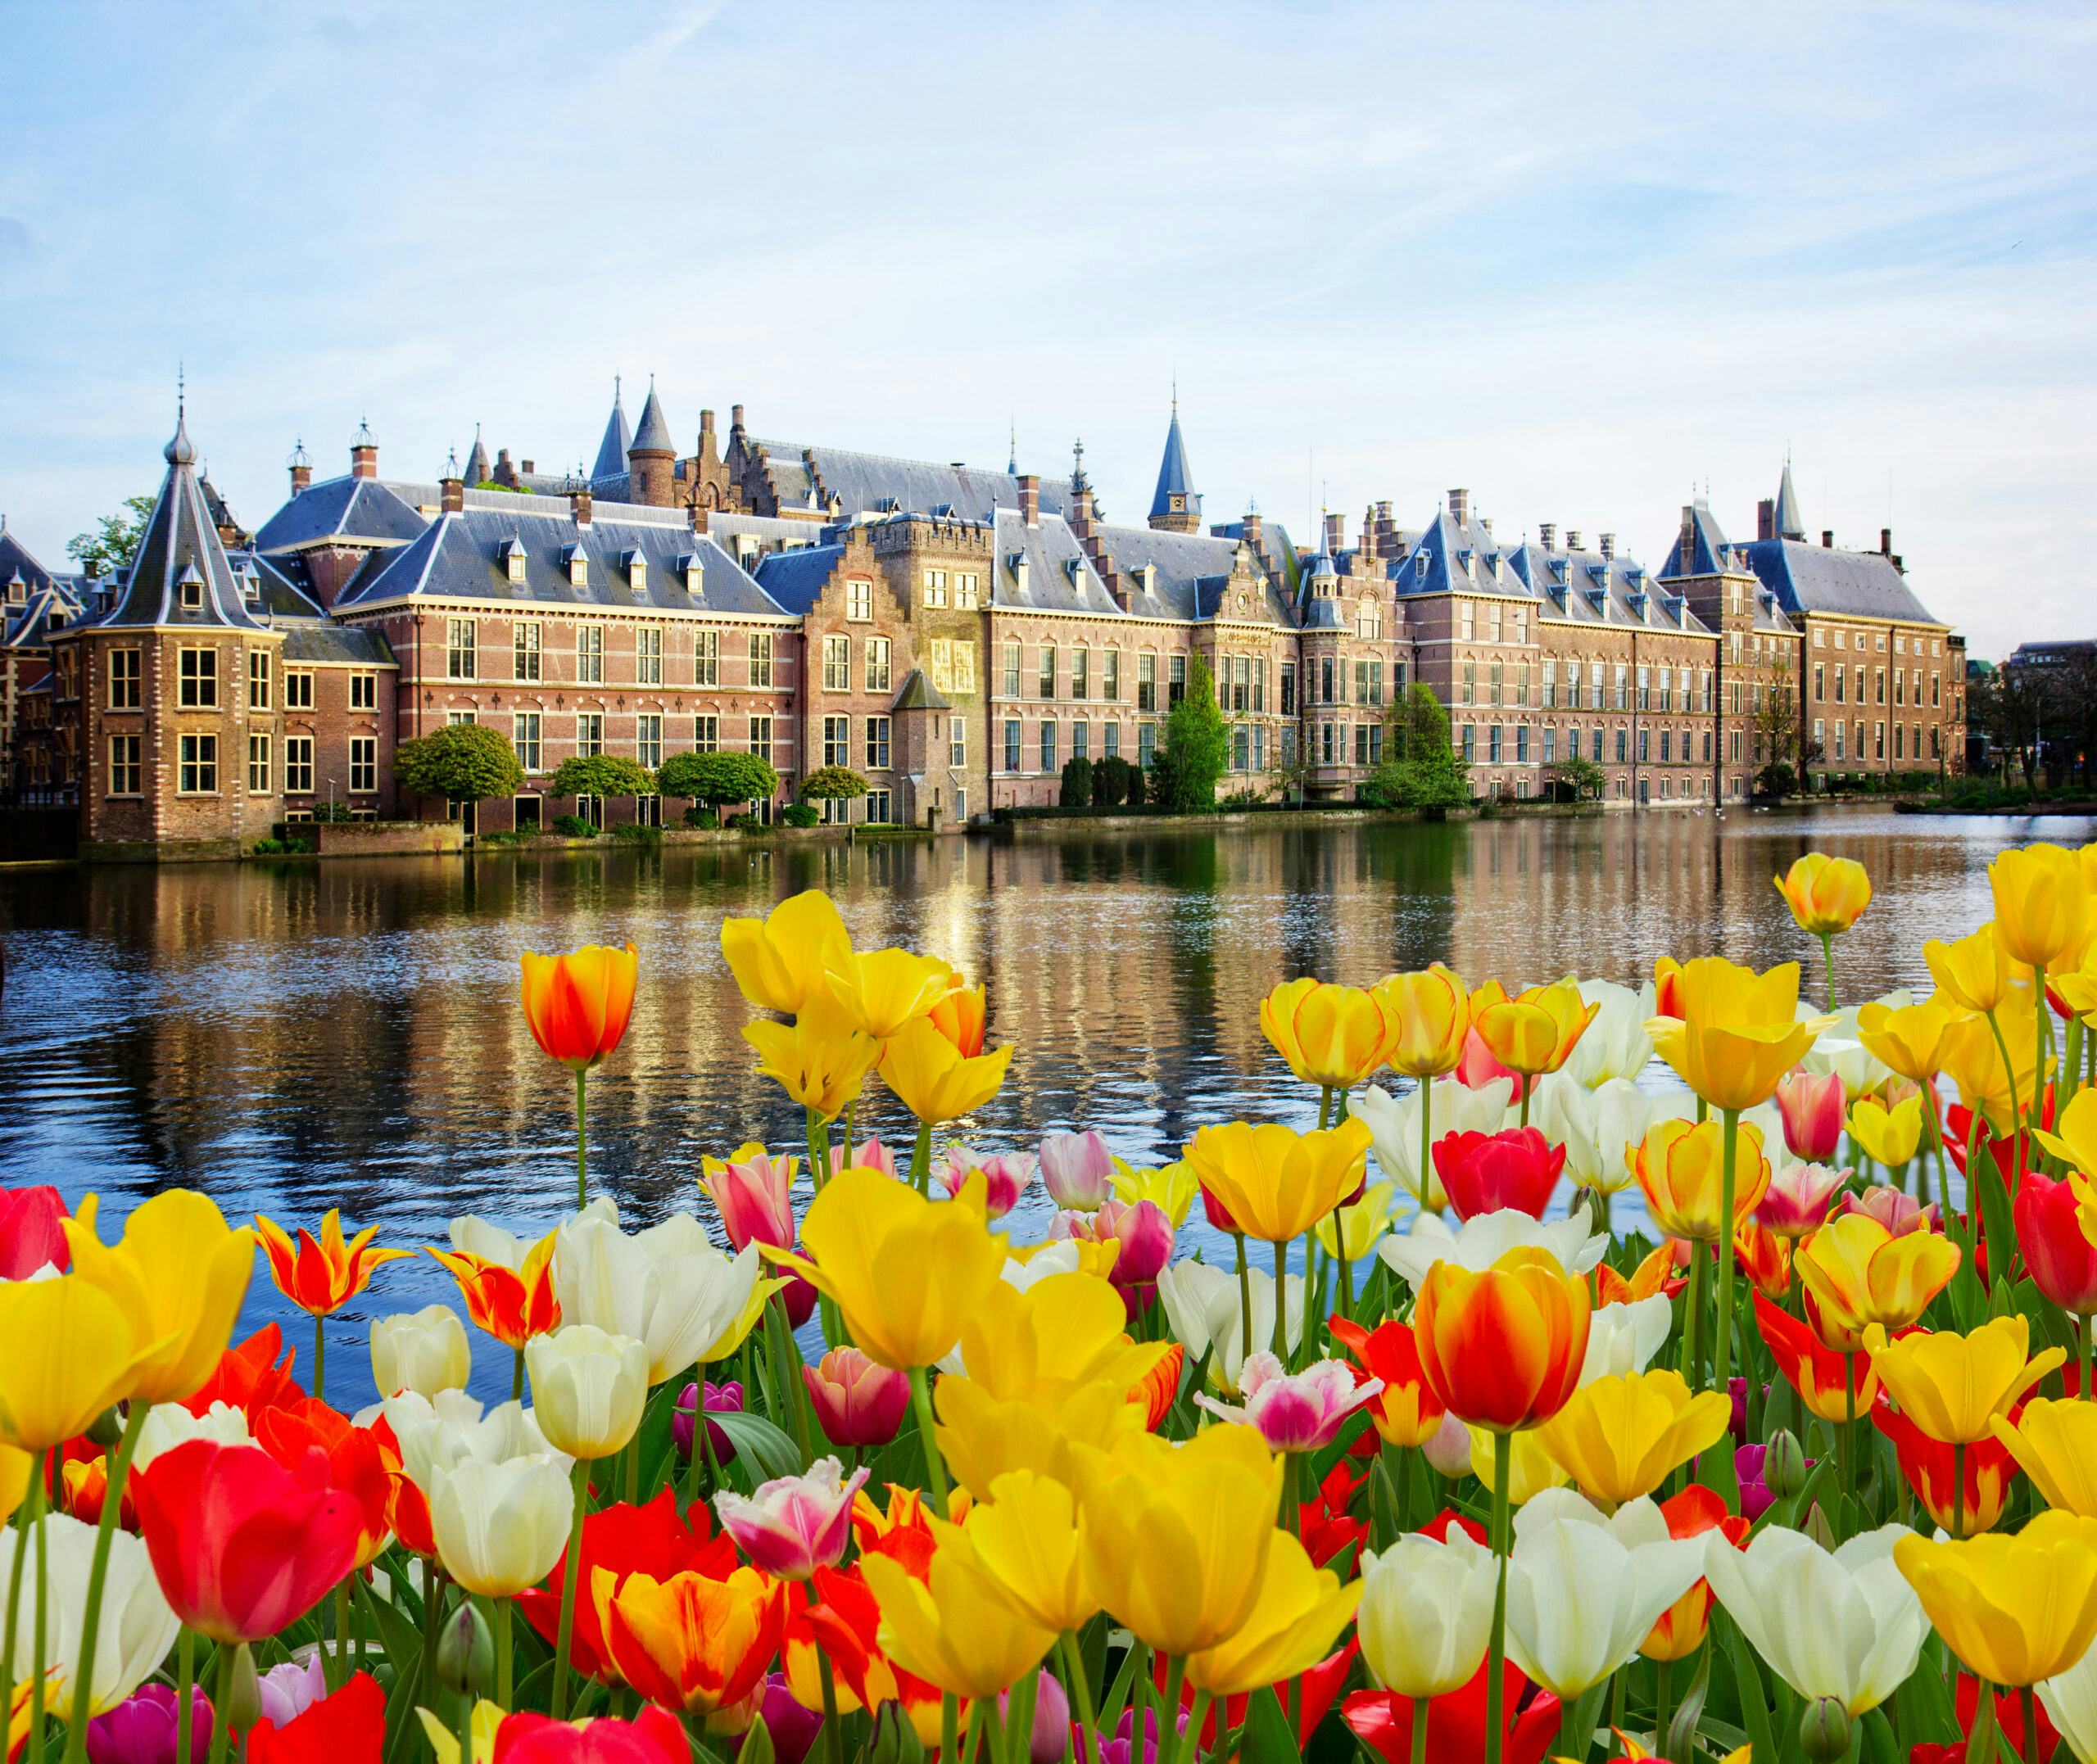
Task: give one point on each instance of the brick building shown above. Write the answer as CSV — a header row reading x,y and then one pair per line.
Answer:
x,y
954,633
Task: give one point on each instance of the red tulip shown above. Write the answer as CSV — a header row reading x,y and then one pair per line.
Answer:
x,y
1319,1685
2062,1262
251,1377
346,1728
1328,1524
1485,1172
356,1462
1931,1468
242,1546
30,1232
654,1736
856,1402
1456,1724
1811,1105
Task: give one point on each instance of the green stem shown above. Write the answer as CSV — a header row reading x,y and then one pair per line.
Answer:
x,y
833,1738
1427,1142
1419,1709
1079,1687
1663,1696
2026,1697
1721,1346
565,1645
1346,1267
1526,1081
432,1617
1244,1298
517,1378
1168,1715
1281,1307
504,1665
1848,1450
936,1470
819,1138
789,1388
950,1729
33,1522
341,1633
466,1727
320,1358
1827,950
851,1114
15,1603
1324,1107
921,1159
1314,1289
1200,1713
1291,1505
581,1147
1692,1357
112,1501
1495,1655
2082,1353
185,1686
222,1701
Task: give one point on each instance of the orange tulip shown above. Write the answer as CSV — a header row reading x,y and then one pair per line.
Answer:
x,y
958,1015
1405,1411
1857,1273
1764,1257
1682,1627
1535,1031
1823,1377
1159,1387
1654,1275
1501,1348
1681,1166
1731,1033
577,1006
321,1276
1431,1013
511,1304
695,1644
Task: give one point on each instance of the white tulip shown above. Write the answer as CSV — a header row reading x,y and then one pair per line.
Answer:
x,y
1583,1588
424,1351
1840,1047
137,1627
1615,1044
2071,1699
1426,1613
501,1527
1622,1339
1205,1309
168,1425
667,1288
438,1434
1565,1113
1482,1241
1393,1124
588,1389
1846,1626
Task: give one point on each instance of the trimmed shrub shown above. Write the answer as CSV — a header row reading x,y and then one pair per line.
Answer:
x,y
1077,783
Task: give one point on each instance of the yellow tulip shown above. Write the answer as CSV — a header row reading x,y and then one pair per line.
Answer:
x,y
1335,1036
2078,986
819,1059
1039,1346
1952,1386
2074,1140
1858,1274
1739,1033
1826,894
2055,1444
782,961
2015,1610
959,1632
1534,1032
1621,1436
1301,1613
933,1078
181,1271
1976,972
1353,1231
1024,1538
1680,1168
72,1351
1174,1536
885,989
15,1467
1909,1040
1064,1439
1431,1010
1275,1181
905,1272
1530,1470
1171,1187
2042,903
1888,1136
443,1732
1974,1059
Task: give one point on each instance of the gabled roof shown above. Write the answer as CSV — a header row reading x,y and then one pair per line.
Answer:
x,y
1058,577
1447,557
611,450
919,694
355,511
180,545
1174,479
653,436
1821,579
870,483
1184,562
795,579
1790,524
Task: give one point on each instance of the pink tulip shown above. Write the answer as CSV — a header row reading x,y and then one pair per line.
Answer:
x,y
30,1234
1077,1169
873,1155
1051,1734
856,1402
142,1729
1295,1412
1795,1205
721,1399
1899,1213
1141,1233
1811,1104
1478,1067
289,1690
754,1193
794,1524
1008,1175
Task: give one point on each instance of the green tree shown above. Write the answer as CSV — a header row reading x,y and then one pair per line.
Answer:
x,y
114,540
1581,780
1197,746
602,775
833,783
717,778
1110,781
1420,768
1077,783
462,762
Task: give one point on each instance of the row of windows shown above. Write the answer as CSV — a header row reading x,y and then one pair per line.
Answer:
x,y
1843,676
198,769
1331,680
462,654
197,682
528,734
1606,687
1849,739
875,749
1874,639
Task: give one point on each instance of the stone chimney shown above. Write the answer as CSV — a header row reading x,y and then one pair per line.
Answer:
x,y
1609,545
363,454
1335,533
1827,538
578,506
451,490
1460,506
1030,498
697,511
1547,535
301,465
505,472
1256,531
1685,545
1370,548
1765,518
1886,541
708,448
735,420
528,466
1572,539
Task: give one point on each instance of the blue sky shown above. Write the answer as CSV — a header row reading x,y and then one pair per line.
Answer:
x,y
1576,258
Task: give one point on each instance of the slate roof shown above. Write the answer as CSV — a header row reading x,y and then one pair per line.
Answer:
x,y
27,627
323,641
1191,571
870,483
611,450
1060,578
795,579
363,511
1173,477
180,547
919,694
1709,554
1447,557
476,461
1808,578
653,434
1790,524
287,590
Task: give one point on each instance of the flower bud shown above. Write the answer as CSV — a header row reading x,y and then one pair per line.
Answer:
x,y
243,1707
1818,1528
1824,1728
106,1428
895,1741
756,1748
1783,1469
465,1652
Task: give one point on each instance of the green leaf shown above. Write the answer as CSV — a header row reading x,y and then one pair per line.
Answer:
x,y
768,1449
402,1641
1269,1739
1753,1701
1681,1729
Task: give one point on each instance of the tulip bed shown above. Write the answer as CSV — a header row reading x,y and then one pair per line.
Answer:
x,y
1811,1475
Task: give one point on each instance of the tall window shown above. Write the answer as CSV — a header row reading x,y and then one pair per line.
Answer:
x,y
298,689
837,664
590,654
258,680
1110,676
199,762
1146,745
1046,686
648,655
125,691
761,738
1012,665
461,660
124,769
837,740
364,692
199,681
877,738
1080,672
589,734
956,742
706,734
1047,745
524,736
647,738
859,601
877,664
1288,689
935,588
1147,681
760,659
524,649
364,765
258,765
1011,744
1175,681
298,765
967,586
1081,740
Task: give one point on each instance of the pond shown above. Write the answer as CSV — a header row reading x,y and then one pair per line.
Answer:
x,y
294,1037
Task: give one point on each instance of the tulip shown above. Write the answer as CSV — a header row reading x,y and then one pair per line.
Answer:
x,y
32,1232
869,1154
1738,1031
137,1626
694,1643
720,1400
819,1059
667,1288
954,1628
1449,1451
1077,1169
857,1403
2074,1137
1483,1173
588,1389
1502,1349
1042,1341
253,1377
1909,1039
1401,1128
1888,1136
1430,1012
1795,1205
1836,1384
1764,1257
241,1545
2042,903
500,1525
1858,1274
142,1730
1276,1181
288,1691
1584,1591
72,1351
795,1524
1171,1187
792,1728
1615,1045
356,1464
1482,1242
1350,1231
654,1736
1679,1631
1301,1613
1531,1469
1334,1037
577,1007
755,1192
883,989
1900,1213
1302,1412
1426,1614
1460,1725
1827,895
1536,1031
1975,973
508,1286
1621,1437
1205,1309
782,961
1962,1487
1006,1176
1954,1386
1844,1624
2015,1610
1140,1236
2055,1444
1811,1104
1681,1169
320,1276
424,1351
1624,1335
350,1724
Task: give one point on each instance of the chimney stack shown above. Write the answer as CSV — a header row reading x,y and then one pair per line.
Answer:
x,y
505,472
1686,547
301,467
1460,506
363,454
451,490
1827,538
1255,531
1572,539
1335,533
578,506
1547,535
697,511
1609,545
1030,498
1886,541
706,441
528,466
1765,518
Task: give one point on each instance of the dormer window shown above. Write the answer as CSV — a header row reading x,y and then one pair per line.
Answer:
x,y
1147,575
18,591
250,587
55,619
637,572
1076,567
1018,564
1420,565
189,586
578,568
512,559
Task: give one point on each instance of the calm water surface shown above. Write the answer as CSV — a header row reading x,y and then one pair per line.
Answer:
x,y
348,1035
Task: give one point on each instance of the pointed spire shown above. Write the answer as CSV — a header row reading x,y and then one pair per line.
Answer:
x,y
618,438
1790,524
476,459
1175,506
1079,484
653,436
1012,450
